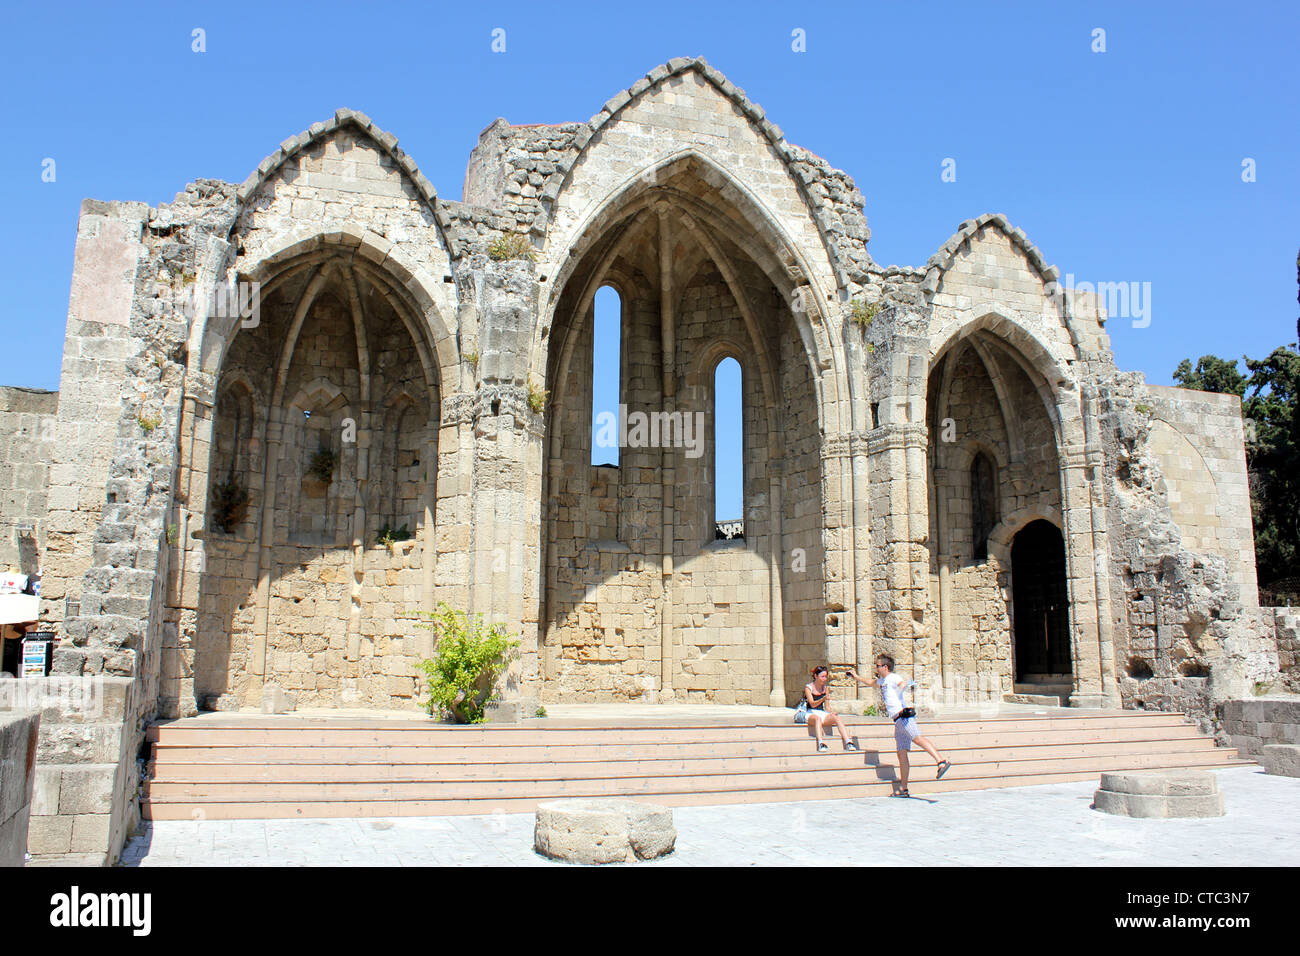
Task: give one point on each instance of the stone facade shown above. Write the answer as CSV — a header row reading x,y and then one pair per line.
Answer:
x,y
27,422
389,405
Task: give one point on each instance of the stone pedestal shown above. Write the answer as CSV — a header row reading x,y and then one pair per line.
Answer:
x,y
1160,794
1282,759
603,831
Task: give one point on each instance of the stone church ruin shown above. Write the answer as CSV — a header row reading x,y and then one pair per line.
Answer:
x,y
296,412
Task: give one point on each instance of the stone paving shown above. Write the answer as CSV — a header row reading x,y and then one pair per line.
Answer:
x,y
1050,825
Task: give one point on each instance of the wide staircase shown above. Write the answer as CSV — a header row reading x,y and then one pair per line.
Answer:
x,y
251,767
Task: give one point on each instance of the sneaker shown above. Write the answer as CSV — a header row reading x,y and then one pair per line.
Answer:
x,y
851,745
944,767
900,793
821,747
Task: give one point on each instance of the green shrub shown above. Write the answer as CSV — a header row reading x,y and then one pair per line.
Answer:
x,y
540,712
862,313
871,711
512,245
322,465
389,536
468,657
537,397
229,504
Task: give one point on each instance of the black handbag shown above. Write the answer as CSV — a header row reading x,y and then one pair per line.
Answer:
x,y
905,713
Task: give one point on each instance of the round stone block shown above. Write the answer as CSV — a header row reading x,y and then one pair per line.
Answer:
x,y
1160,794
1168,783
605,830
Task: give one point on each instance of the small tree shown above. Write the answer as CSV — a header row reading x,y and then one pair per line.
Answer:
x,y
467,660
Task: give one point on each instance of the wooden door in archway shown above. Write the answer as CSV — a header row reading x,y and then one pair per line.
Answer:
x,y
1040,602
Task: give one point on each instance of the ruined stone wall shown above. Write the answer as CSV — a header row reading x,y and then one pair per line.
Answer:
x,y
1198,439
721,597
28,419
1185,640
97,346
1286,631
678,107
809,617
606,545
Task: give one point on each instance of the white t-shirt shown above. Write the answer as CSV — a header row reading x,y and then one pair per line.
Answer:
x,y
891,688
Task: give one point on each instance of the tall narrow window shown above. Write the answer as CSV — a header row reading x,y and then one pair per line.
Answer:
x,y
606,354
984,504
728,451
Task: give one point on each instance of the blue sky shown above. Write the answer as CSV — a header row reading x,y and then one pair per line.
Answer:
x,y
1122,166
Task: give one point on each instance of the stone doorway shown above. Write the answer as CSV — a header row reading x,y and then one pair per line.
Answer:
x,y
1040,605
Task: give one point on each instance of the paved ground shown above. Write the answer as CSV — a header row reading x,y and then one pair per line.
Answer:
x,y
1027,826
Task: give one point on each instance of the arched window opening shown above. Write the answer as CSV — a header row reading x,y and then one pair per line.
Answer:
x,y
728,452
232,451
984,504
606,357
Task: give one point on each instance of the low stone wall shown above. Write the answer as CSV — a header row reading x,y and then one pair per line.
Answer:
x,y
1286,625
18,732
1254,724
84,787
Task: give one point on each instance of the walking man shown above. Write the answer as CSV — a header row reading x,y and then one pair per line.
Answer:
x,y
905,730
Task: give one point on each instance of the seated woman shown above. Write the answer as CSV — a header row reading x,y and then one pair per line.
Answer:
x,y
819,711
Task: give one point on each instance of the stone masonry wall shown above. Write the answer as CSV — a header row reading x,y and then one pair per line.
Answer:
x,y
1198,439
28,419
96,348
1185,639
18,736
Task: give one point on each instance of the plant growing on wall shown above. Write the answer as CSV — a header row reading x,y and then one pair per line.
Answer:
x,y
536,397
389,536
468,658
512,245
149,422
862,313
229,504
322,465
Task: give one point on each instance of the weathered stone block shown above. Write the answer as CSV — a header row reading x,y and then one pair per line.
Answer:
x,y
1160,794
598,831
49,835
86,789
275,700
1281,759
90,833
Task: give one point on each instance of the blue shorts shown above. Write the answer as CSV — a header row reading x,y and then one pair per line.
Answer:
x,y
905,731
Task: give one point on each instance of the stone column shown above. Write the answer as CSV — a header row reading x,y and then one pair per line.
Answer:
x,y
668,466
1081,574
776,561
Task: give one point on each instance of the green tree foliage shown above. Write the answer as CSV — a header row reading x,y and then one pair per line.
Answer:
x,y
1212,374
467,660
1273,405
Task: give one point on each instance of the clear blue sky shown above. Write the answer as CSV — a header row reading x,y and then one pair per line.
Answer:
x,y
1121,166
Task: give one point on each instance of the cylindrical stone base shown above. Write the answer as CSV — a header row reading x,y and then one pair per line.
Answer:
x,y
603,831
1160,794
